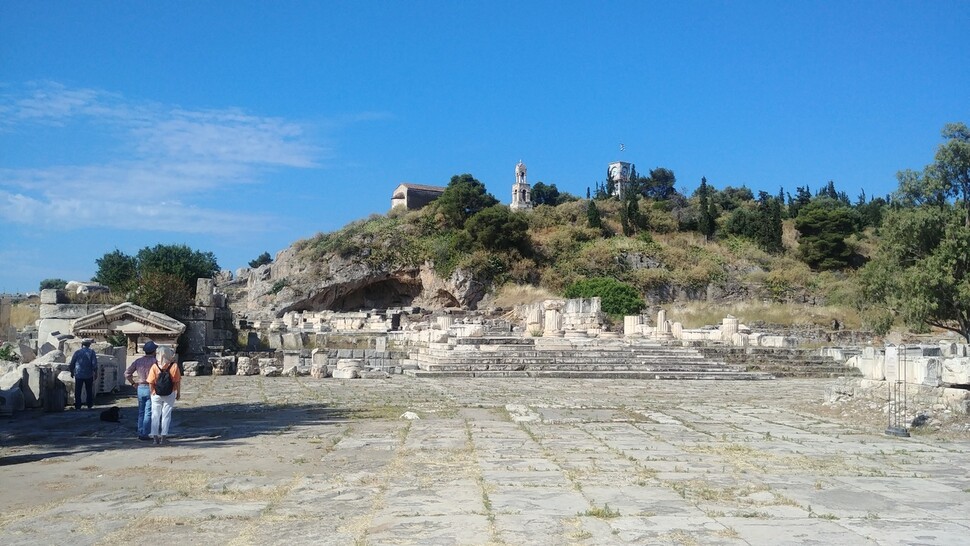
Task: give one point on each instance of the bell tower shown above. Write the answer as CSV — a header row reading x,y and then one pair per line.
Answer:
x,y
521,192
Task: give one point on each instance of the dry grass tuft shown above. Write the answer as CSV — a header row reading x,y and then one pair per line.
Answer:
x,y
698,314
22,315
789,235
511,295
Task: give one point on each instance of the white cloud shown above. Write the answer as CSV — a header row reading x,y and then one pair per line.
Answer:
x,y
174,153
81,212
227,136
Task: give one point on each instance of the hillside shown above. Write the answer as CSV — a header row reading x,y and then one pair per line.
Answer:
x,y
417,258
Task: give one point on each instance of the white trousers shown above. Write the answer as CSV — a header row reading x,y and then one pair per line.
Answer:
x,y
162,413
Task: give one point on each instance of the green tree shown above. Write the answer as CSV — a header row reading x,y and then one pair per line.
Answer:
x,y
609,189
262,259
57,284
498,228
829,191
769,234
921,272
116,270
632,220
659,185
706,219
543,194
464,197
147,276
178,260
951,169
162,292
616,298
870,212
803,196
945,180
593,219
824,224
731,198
762,224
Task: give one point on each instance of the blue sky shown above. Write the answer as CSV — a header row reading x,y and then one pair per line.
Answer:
x,y
239,127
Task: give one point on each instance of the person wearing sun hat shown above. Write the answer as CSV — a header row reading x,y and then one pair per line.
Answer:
x,y
141,367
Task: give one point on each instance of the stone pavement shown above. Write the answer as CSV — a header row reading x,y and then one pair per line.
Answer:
x,y
305,461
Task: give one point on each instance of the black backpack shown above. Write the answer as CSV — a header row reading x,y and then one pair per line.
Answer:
x,y
163,382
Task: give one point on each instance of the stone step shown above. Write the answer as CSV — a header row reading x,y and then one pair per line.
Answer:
x,y
510,341
562,359
586,355
469,358
808,371
646,375
801,374
579,364
783,362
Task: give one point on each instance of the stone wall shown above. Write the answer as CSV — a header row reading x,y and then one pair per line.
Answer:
x,y
940,365
730,332
7,333
208,323
935,377
57,316
919,398
577,317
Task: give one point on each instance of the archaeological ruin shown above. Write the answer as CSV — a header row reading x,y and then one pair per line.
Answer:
x,y
564,338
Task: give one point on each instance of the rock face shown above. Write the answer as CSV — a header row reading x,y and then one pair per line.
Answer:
x,y
294,283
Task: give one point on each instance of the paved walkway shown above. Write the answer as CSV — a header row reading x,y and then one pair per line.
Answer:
x,y
305,461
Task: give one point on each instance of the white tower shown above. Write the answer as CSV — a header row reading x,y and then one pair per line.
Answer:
x,y
521,192
620,174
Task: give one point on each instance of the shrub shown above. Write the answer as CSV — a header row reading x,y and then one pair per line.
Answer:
x,y
57,284
498,228
278,286
262,259
8,353
617,298
117,339
484,266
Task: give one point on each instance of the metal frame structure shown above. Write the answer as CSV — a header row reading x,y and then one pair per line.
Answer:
x,y
897,397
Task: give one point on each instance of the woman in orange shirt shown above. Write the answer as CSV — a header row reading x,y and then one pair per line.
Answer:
x,y
164,392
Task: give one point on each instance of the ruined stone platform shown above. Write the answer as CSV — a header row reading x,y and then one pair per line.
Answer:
x,y
781,362
296,460
530,357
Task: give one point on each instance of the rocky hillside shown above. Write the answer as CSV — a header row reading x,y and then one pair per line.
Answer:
x,y
295,283
417,258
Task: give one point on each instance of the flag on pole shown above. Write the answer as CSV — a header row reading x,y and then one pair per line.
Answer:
x,y
622,147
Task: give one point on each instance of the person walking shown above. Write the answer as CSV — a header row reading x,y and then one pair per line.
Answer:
x,y
141,367
164,381
84,370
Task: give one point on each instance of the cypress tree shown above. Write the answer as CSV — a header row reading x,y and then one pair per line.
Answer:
x,y
705,222
593,216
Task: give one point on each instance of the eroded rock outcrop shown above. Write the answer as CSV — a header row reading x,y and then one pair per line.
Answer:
x,y
295,283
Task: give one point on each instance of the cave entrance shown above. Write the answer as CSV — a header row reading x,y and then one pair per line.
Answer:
x,y
378,295
444,299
